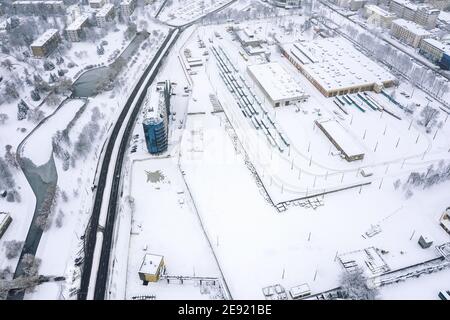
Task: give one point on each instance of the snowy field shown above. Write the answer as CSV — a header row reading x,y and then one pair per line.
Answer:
x,y
171,230
301,241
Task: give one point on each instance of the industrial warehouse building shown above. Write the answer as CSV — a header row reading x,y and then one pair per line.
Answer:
x,y
335,67
46,43
278,85
341,139
156,117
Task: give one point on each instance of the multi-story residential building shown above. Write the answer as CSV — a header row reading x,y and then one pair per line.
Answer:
x,y
421,14
46,43
408,32
48,7
75,30
287,3
436,51
105,14
378,16
426,17
127,8
156,117
96,4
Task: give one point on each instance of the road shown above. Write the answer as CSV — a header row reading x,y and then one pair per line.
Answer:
x,y
91,233
93,227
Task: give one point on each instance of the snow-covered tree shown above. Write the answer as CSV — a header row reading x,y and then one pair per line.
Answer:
x,y
354,286
12,248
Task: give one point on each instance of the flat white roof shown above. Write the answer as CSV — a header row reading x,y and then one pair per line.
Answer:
x,y
300,290
44,37
276,82
154,104
104,11
342,137
77,23
379,11
3,217
411,26
151,263
335,64
247,36
444,16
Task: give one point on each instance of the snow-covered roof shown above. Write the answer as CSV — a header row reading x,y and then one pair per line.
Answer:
x,y
78,23
151,263
444,17
411,26
444,47
154,105
105,10
276,82
126,2
342,137
44,37
246,36
379,11
335,64
3,217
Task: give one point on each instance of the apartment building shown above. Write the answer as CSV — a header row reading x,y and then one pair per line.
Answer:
x,y
75,30
421,14
436,51
46,43
408,32
105,15
127,8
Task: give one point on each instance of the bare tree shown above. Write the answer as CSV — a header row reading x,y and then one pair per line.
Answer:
x,y
428,117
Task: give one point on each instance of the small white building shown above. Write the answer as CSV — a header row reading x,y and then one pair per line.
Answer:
x,y
152,267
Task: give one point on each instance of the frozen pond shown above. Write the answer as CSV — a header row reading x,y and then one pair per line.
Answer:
x,y
86,84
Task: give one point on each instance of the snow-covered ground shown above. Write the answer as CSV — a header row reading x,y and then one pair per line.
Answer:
x,y
181,12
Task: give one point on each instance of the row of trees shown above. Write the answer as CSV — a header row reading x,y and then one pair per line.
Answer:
x,y
398,60
432,176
